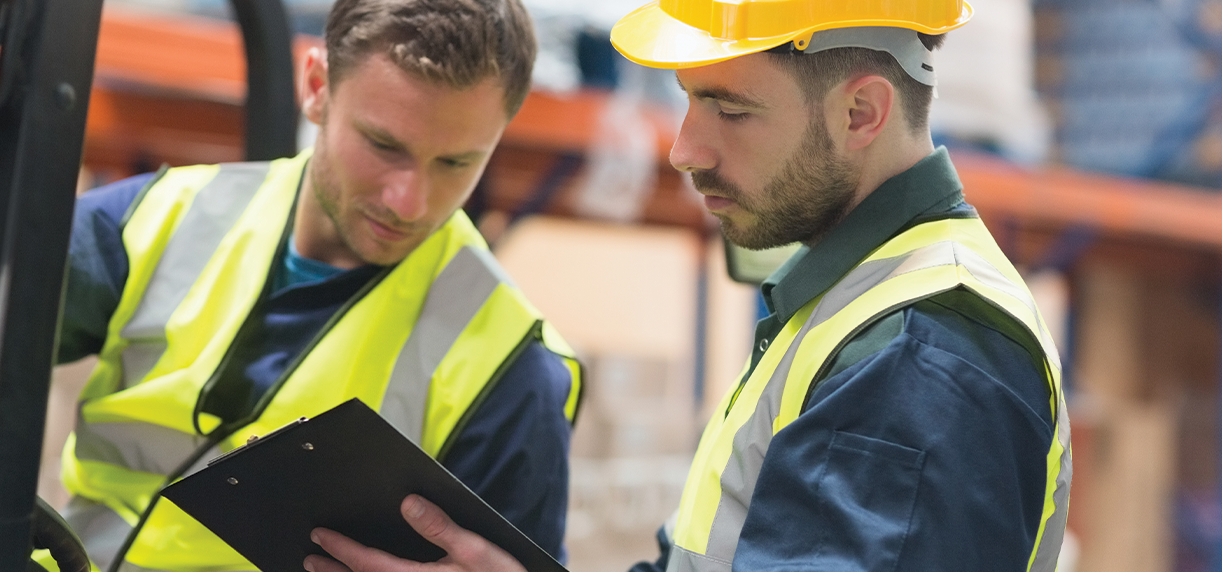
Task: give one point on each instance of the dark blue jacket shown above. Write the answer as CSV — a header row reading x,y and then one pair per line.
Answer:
x,y
935,377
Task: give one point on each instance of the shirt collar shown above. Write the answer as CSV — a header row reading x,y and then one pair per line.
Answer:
x,y
931,186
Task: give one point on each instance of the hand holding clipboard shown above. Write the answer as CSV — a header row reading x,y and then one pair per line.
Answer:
x,y
466,550
346,470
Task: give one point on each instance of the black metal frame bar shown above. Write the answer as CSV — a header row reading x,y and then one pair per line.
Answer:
x,y
46,73
46,70
271,102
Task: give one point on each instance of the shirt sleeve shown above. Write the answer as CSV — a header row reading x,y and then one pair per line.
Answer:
x,y
514,452
928,455
97,267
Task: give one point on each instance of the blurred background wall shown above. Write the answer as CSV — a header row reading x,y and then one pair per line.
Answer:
x,y
1088,134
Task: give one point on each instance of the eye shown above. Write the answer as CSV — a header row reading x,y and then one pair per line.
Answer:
x,y
732,115
453,163
380,144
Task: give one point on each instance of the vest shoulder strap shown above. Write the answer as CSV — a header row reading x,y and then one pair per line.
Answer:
x,y
161,171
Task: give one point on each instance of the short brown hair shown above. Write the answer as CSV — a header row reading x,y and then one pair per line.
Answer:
x,y
456,42
818,72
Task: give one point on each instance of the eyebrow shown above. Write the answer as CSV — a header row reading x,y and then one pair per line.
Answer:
x,y
378,133
722,94
468,156
386,138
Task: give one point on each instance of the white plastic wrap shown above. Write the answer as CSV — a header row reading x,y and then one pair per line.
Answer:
x,y
986,82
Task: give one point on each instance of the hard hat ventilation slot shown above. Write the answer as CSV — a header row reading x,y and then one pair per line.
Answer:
x,y
902,43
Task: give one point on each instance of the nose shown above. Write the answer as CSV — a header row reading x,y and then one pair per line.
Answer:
x,y
405,192
691,151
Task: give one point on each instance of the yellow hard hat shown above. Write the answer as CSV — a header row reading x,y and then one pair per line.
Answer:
x,y
688,33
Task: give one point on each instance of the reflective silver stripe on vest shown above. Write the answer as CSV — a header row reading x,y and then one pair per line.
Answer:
x,y
1049,550
751,442
202,462
982,270
682,560
212,214
101,529
457,294
1054,530
136,446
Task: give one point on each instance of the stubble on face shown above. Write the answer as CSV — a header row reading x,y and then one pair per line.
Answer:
x,y
326,189
346,215
810,196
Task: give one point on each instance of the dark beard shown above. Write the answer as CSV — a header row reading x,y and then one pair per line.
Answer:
x,y
809,197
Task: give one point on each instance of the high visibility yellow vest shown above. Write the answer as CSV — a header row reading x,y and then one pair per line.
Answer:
x,y
927,260
422,345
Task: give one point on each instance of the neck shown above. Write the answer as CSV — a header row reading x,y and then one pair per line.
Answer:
x,y
892,153
314,233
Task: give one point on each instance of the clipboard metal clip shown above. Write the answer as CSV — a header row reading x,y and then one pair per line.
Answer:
x,y
256,439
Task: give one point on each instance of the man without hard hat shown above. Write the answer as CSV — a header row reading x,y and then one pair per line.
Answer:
x,y
902,407
225,301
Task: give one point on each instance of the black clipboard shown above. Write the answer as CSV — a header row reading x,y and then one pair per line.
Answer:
x,y
346,469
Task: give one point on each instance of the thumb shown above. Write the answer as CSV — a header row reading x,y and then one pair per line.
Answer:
x,y
431,522
465,550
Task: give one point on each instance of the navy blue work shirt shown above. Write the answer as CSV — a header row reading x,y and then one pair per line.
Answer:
x,y
962,409
514,451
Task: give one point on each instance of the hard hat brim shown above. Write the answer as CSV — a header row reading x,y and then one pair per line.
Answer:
x,y
651,37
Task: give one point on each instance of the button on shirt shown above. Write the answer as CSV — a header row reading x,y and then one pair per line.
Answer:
x,y
936,378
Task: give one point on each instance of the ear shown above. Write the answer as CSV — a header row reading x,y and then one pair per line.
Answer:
x,y
314,86
871,101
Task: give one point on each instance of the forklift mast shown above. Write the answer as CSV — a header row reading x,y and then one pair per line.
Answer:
x,y
47,50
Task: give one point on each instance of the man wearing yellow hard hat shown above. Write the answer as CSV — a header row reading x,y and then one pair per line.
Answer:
x,y
902,408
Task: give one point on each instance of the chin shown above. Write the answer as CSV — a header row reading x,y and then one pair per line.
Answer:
x,y
383,259
383,255
736,234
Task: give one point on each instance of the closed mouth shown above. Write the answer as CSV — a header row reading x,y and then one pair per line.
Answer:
x,y
386,230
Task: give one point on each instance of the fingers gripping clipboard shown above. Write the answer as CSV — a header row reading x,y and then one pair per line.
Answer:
x,y
348,470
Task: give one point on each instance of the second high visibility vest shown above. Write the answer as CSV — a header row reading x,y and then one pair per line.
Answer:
x,y
927,260
423,344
